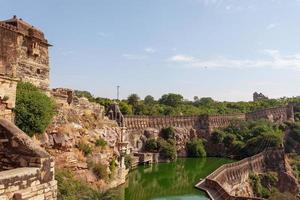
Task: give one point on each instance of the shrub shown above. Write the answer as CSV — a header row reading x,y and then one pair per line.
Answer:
x,y
128,161
70,188
85,148
167,150
229,140
34,110
151,145
195,148
167,133
112,167
100,142
217,136
100,170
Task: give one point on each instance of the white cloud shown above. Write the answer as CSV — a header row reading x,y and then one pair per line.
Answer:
x,y
182,58
274,59
150,50
271,26
134,57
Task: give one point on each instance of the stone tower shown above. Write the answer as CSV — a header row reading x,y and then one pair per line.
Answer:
x,y
23,57
24,52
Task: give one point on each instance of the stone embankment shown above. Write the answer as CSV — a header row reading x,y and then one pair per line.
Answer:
x,y
231,181
26,170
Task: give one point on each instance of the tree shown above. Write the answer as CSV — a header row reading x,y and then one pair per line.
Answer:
x,y
171,99
195,148
149,100
133,99
34,110
167,133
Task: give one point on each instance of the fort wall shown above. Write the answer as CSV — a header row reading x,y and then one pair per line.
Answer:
x,y
230,180
26,170
207,122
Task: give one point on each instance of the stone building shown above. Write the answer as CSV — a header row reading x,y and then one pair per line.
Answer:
x,y
23,57
24,52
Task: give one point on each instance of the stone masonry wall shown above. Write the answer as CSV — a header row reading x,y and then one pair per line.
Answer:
x,y
231,179
277,114
24,53
7,97
207,122
26,170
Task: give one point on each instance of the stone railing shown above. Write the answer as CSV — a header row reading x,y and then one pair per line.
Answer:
x,y
26,170
226,181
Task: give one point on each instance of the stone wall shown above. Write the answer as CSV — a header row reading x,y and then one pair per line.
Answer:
x,y
277,114
24,52
230,181
142,122
7,97
26,170
207,123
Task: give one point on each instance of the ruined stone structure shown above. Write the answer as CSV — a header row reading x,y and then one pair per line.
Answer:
x,y
230,181
24,53
26,170
259,96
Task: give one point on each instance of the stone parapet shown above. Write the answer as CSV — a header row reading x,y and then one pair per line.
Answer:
x,y
230,180
26,170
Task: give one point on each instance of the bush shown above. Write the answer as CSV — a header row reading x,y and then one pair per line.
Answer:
x,y
128,161
100,143
195,148
167,150
69,188
151,145
112,167
217,136
167,133
34,110
85,148
229,140
100,170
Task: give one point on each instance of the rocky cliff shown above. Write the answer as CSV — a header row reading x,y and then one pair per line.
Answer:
x,y
81,137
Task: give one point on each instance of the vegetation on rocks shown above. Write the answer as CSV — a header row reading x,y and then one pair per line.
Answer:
x,y
248,138
195,148
85,148
70,188
128,161
100,170
34,109
264,185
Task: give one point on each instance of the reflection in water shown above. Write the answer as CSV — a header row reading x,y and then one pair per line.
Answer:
x,y
169,181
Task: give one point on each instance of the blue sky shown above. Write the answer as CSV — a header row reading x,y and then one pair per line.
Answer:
x,y
225,49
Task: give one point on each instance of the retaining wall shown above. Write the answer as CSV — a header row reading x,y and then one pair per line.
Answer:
x,y
26,170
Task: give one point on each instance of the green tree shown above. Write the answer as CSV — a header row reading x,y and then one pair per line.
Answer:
x,y
167,133
149,100
195,148
133,99
34,110
171,99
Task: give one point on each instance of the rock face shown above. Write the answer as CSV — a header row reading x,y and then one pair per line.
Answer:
x,y
80,135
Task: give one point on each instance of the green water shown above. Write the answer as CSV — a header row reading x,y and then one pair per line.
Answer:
x,y
169,181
